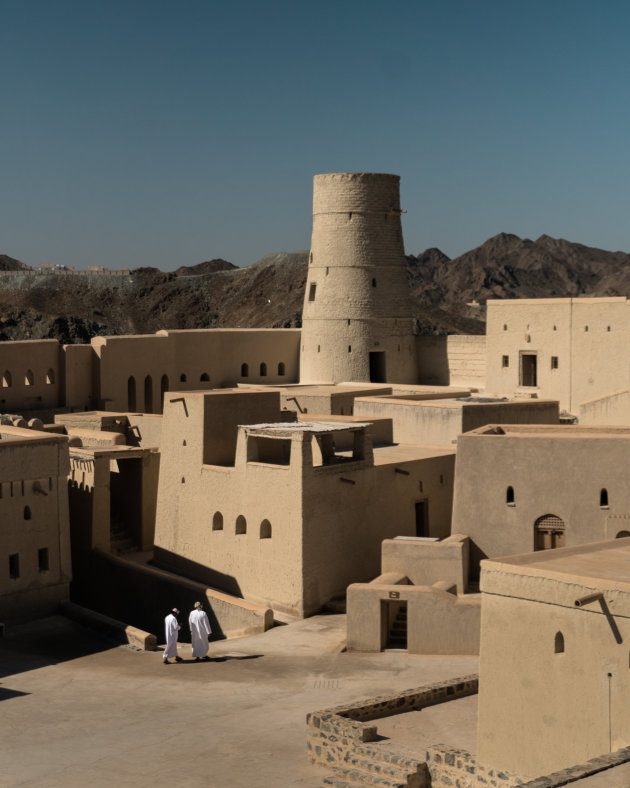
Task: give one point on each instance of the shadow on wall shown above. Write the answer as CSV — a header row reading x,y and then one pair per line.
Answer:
x,y
129,593
165,559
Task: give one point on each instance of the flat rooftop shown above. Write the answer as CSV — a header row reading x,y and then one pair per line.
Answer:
x,y
280,430
600,561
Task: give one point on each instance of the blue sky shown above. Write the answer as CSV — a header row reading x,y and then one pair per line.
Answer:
x,y
146,132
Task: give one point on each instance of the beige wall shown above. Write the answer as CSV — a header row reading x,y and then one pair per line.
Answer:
x,y
165,358
438,422
79,376
30,375
552,471
455,360
541,711
587,336
438,622
611,410
34,506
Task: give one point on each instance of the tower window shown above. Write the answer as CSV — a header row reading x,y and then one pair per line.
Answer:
x,y
14,566
554,362
217,522
245,370
505,326
312,291
373,282
241,525
27,512
263,370
505,361
509,496
603,498
349,348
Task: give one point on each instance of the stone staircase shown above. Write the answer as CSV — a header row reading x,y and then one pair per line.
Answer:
x,y
371,766
119,539
398,630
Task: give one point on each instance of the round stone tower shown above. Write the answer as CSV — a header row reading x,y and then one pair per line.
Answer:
x,y
357,321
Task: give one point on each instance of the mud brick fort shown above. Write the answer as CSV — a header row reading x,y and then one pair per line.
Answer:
x,y
456,495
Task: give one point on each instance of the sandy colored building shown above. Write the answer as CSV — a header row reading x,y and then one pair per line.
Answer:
x,y
554,680
35,533
522,488
569,349
287,514
418,602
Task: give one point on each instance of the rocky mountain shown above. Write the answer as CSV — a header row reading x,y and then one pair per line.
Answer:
x,y
449,295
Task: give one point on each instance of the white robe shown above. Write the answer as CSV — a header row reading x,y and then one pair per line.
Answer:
x,y
171,628
199,631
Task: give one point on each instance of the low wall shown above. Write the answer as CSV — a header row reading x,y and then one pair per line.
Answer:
x,y
110,627
142,595
450,767
610,410
334,735
427,562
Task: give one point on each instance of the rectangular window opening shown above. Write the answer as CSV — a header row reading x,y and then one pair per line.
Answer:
x,y
312,290
505,362
42,559
554,362
14,566
529,370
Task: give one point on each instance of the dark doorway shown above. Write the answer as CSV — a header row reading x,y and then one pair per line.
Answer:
x,y
394,623
377,367
528,369
422,519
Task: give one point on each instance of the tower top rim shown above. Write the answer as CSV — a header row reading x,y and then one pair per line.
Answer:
x,y
357,175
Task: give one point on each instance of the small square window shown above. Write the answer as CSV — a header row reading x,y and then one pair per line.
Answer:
x,y
505,361
14,566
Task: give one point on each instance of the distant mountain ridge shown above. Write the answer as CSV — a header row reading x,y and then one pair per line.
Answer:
x,y
448,295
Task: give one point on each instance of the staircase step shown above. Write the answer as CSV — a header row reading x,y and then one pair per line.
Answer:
x,y
344,777
379,768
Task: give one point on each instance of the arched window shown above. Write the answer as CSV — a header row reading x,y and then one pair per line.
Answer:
x,y
263,370
244,370
265,529
217,522
558,644
509,496
148,394
50,377
281,369
204,378
603,497
27,512
29,378
182,377
241,525
6,380
131,393
163,390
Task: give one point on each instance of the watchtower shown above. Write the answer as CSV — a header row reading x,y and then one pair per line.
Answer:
x,y
357,322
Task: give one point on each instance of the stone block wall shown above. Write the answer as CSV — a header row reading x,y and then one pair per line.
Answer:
x,y
334,734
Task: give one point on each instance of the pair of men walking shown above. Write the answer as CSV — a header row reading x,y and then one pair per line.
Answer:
x,y
199,632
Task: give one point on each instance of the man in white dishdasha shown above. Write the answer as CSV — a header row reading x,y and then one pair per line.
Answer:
x,y
171,628
199,632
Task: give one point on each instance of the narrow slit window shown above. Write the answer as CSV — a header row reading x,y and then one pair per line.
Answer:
x,y
554,362
509,496
14,566
312,290
505,361
603,498
263,370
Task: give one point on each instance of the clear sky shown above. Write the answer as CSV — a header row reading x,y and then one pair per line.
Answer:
x,y
147,132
